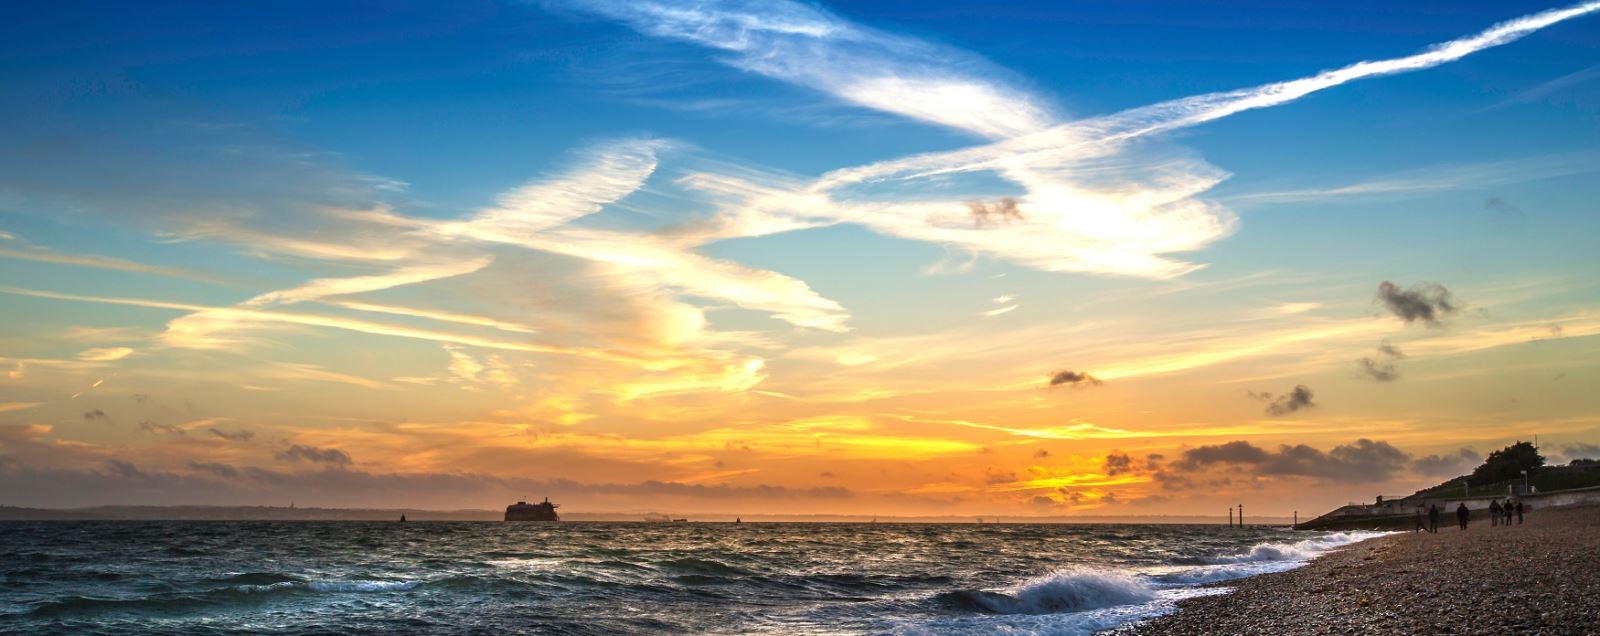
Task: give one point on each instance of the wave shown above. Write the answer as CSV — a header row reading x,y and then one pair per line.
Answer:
x,y
1057,592
191,601
1261,558
708,567
330,586
254,578
1297,551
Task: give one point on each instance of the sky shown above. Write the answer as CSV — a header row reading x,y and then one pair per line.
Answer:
x,y
764,256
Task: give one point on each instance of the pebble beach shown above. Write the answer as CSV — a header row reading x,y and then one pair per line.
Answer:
x,y
1540,577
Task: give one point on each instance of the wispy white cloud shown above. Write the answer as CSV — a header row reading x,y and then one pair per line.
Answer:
x,y
1547,89
208,327
998,311
441,316
805,45
1438,179
534,217
44,255
325,287
607,173
1099,194
105,354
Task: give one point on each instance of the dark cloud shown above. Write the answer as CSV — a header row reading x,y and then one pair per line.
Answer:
x,y
1001,212
1153,461
1379,370
1389,350
1363,461
1581,451
1118,463
1172,481
220,470
1073,378
1041,500
124,469
1072,496
1551,332
1449,465
1110,498
826,475
1239,452
1381,367
240,435
152,427
1427,302
1297,398
1500,206
314,455
1150,500
97,415
1041,454
992,477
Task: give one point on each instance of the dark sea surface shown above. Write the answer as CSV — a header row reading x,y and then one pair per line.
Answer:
x,y
107,577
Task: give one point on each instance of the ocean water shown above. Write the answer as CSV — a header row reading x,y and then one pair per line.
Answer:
x,y
617,578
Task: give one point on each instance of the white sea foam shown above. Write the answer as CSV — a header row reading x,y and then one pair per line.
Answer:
x,y
1261,558
1299,550
525,564
361,586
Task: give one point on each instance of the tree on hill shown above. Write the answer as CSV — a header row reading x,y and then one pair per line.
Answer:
x,y
1507,464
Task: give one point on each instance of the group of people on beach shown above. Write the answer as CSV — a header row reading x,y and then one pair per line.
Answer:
x,y
1499,515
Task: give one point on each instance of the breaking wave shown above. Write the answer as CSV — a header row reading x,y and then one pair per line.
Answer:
x,y
1297,551
1057,592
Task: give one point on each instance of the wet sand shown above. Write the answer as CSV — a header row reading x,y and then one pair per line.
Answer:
x,y
1541,577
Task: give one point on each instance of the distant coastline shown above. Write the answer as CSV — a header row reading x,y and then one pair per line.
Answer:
x,y
285,513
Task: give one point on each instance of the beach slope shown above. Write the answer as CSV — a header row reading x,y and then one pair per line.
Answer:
x,y
1541,577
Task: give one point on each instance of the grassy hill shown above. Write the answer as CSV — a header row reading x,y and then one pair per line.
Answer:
x,y
1545,479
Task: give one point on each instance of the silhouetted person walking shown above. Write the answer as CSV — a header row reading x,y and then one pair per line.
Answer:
x,y
1519,512
1509,510
1420,524
1494,512
1433,518
1462,514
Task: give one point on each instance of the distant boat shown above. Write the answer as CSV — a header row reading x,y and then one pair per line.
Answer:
x,y
402,518
524,511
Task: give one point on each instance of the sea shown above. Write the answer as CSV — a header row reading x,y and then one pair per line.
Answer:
x,y
263,577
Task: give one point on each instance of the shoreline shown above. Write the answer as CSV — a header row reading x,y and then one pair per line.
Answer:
x,y
1542,577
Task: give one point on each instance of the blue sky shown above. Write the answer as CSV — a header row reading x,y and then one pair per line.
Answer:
x,y
362,205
